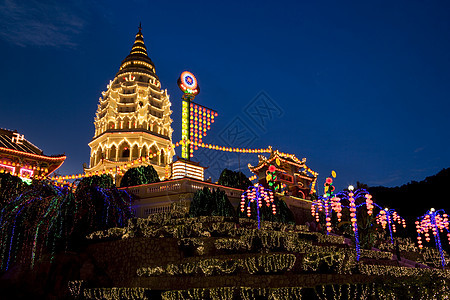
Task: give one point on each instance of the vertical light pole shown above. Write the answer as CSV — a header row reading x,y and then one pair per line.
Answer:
x,y
189,86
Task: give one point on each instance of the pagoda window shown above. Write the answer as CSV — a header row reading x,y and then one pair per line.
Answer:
x,y
135,152
113,153
144,151
99,155
154,150
155,128
126,154
145,125
124,151
111,125
286,177
126,123
162,158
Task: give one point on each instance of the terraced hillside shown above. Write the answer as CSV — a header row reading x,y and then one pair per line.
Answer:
x,y
172,256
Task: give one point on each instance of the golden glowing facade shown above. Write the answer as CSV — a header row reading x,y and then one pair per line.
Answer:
x,y
133,117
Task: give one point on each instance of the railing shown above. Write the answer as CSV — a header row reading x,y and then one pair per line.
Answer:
x,y
154,210
164,187
185,185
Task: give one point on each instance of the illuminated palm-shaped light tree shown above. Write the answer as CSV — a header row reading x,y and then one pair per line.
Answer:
x,y
351,195
436,221
388,217
258,195
327,204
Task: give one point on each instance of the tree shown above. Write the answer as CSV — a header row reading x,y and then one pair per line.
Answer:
x,y
234,179
45,218
10,187
207,203
139,175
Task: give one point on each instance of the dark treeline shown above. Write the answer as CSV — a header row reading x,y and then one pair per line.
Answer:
x,y
414,199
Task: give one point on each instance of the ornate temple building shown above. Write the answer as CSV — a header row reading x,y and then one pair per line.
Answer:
x,y
20,157
296,178
133,117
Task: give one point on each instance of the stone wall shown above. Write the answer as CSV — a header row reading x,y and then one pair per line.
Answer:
x,y
120,259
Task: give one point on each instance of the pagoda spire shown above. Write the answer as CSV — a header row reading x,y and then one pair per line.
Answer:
x,y
138,60
139,46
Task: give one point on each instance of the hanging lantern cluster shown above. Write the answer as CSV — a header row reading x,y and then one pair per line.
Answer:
x,y
436,222
337,207
388,217
352,205
369,204
259,195
327,204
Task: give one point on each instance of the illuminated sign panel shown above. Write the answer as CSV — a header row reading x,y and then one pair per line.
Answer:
x,y
185,130
183,169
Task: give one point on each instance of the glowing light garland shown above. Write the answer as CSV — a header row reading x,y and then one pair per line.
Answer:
x,y
257,194
226,149
437,222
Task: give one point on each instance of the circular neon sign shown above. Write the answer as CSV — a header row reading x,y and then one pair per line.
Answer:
x,y
188,79
188,83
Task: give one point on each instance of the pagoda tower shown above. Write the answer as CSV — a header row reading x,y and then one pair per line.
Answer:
x,y
132,122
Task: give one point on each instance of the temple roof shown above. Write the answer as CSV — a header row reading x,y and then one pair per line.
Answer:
x,y
138,60
283,158
13,142
8,138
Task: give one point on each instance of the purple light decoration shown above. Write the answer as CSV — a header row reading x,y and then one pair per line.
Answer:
x,y
257,194
436,221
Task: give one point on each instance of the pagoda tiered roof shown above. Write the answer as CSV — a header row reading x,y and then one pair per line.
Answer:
x,y
286,158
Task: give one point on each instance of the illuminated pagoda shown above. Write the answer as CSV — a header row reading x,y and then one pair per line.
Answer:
x,y
289,173
20,157
132,121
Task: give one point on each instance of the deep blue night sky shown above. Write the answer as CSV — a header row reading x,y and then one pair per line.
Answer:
x,y
358,87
